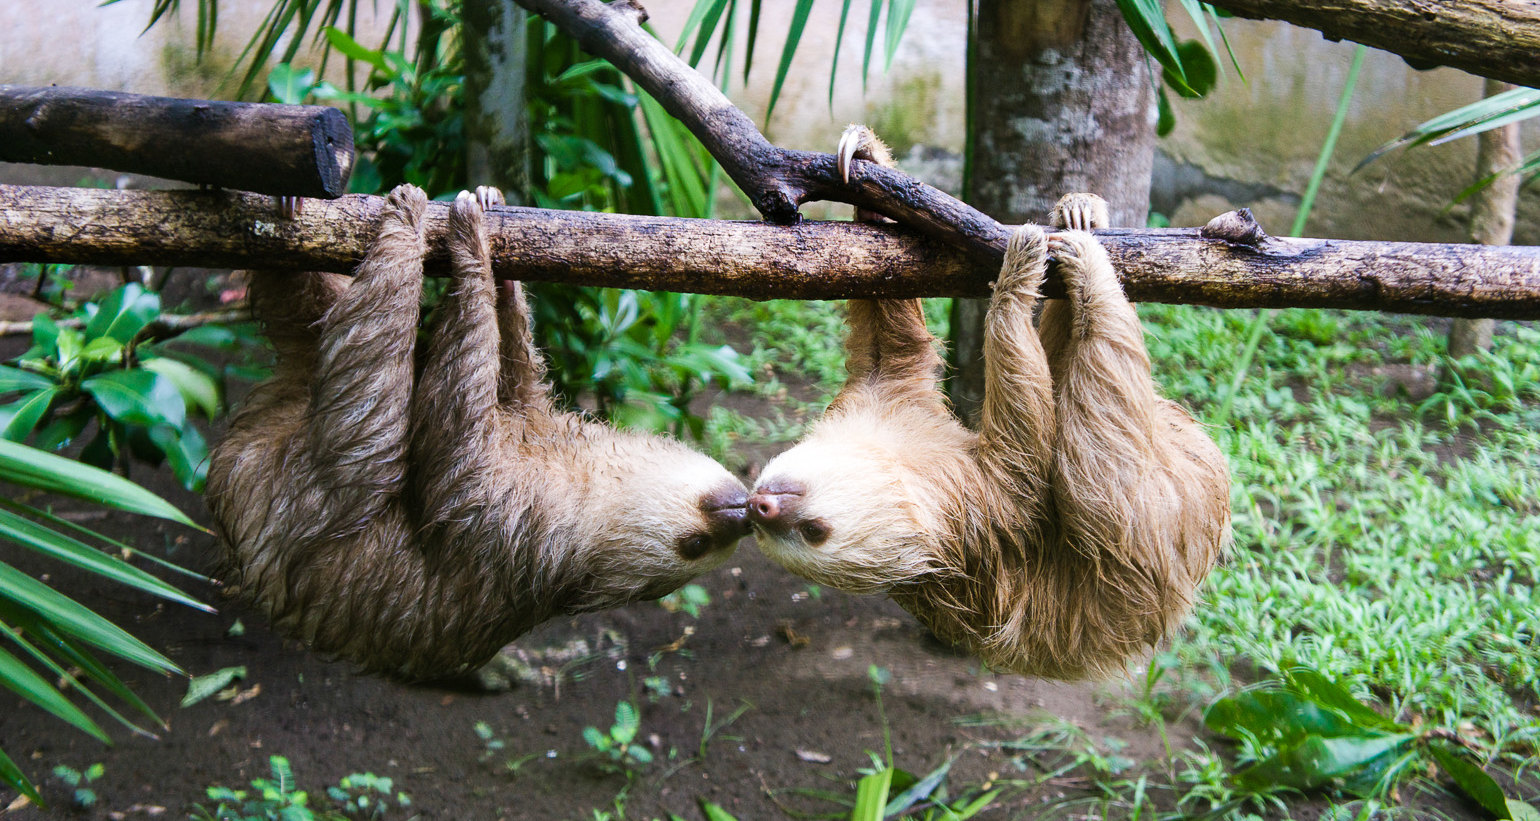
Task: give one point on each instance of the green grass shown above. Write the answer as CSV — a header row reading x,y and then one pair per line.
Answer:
x,y
1384,536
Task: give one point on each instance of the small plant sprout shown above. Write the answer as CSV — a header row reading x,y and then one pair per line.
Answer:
x,y
78,780
366,795
618,745
691,599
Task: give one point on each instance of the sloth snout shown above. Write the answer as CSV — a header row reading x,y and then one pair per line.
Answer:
x,y
772,506
726,514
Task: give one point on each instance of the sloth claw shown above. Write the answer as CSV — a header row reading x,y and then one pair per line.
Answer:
x,y
860,143
1080,212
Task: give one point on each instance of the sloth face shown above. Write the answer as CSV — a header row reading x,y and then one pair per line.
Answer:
x,y
656,514
836,509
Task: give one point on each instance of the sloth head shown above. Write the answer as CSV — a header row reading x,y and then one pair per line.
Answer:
x,y
654,515
842,509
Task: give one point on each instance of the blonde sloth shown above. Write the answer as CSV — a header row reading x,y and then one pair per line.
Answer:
x,y
1070,532
414,518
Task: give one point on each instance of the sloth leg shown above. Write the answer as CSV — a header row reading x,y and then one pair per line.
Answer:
x,y
290,307
454,409
357,428
1017,425
1073,212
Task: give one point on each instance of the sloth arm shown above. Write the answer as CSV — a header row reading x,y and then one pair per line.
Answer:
x,y
1017,423
358,415
457,428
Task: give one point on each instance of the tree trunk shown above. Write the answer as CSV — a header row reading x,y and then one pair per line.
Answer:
x,y
1494,210
496,119
1058,101
1490,38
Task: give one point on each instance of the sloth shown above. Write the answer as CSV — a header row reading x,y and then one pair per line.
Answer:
x,y
1070,532
414,511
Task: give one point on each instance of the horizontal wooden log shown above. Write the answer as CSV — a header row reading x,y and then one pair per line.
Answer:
x,y
1490,38
811,260
299,150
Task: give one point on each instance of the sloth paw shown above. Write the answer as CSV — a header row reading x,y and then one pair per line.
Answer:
x,y
1079,212
489,195
405,203
1026,260
860,143
1089,281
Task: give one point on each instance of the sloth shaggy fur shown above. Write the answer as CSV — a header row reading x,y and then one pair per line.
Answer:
x,y
415,511
1069,533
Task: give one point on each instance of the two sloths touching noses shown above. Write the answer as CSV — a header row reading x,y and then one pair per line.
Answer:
x,y
412,508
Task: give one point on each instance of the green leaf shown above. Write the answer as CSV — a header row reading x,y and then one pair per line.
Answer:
x,y
124,313
187,452
627,722
340,41
871,41
1519,103
137,397
1521,810
13,777
1199,66
75,619
713,812
872,795
898,22
1276,717
799,17
16,379
1147,19
288,85
1472,780
21,679
1316,761
919,791
20,417
201,687
74,653
69,550
45,338
1165,121
834,64
1331,694
30,467
198,389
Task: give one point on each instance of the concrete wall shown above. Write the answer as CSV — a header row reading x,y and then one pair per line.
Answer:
x,y
1251,143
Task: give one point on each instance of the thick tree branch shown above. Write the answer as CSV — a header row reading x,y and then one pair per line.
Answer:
x,y
299,150
813,260
776,180
1490,38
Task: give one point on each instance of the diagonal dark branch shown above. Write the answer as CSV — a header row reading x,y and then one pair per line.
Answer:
x,y
776,180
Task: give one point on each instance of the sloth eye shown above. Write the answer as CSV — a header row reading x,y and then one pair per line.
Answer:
x,y
814,532
693,547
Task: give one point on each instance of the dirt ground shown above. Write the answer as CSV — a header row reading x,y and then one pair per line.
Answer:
x,y
792,665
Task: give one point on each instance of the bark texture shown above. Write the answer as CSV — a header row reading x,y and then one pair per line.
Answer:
x,y
1494,210
1058,101
1490,38
813,260
298,150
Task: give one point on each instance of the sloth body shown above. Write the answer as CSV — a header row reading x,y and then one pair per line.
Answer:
x,y
1069,533
415,518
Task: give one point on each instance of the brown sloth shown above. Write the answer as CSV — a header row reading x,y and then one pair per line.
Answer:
x,y
1070,532
415,517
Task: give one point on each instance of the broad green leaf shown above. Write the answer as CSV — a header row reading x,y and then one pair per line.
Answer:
x,y
872,795
1275,717
124,313
45,338
16,379
198,389
1316,761
1472,780
137,397
16,676
13,777
340,41
62,430
1331,694
1165,119
1147,19
211,336
102,350
20,417
75,619
201,687
30,467
288,85
1521,810
70,550
187,453
1194,9
799,17
1201,70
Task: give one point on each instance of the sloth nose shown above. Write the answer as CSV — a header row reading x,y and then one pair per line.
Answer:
x,y
772,505
725,511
